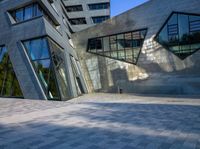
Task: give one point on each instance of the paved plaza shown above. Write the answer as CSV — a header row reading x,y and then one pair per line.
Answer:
x,y
101,121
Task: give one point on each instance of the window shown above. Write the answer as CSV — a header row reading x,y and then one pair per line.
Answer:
x,y
48,62
123,46
9,86
77,21
100,19
27,12
74,8
180,34
31,11
99,6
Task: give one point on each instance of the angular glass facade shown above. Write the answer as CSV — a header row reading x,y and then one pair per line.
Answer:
x,y
47,59
180,34
123,46
9,86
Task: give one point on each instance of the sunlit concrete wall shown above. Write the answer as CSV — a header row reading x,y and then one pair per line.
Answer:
x,y
158,71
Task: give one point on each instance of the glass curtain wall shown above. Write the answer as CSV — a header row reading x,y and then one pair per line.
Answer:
x,y
123,46
9,86
57,54
47,59
181,34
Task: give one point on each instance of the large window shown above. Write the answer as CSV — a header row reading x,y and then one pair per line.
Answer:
x,y
27,12
180,34
74,8
9,86
100,19
123,46
98,6
47,60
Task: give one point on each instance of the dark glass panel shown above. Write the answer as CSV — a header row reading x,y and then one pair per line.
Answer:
x,y
98,6
3,57
74,8
37,49
100,19
129,47
173,20
163,36
77,21
52,91
124,46
120,46
183,29
58,60
181,34
113,46
42,68
8,80
99,45
19,15
28,12
7,83
16,91
92,45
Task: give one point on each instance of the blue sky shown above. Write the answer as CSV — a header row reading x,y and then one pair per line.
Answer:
x,y
119,6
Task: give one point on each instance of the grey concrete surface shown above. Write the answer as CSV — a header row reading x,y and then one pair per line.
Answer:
x,y
86,13
158,71
101,121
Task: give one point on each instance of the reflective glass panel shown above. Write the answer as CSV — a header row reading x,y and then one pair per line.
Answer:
x,y
37,49
123,46
181,34
19,15
28,12
60,71
9,86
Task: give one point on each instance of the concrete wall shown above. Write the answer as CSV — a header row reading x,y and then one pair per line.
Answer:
x,y
86,13
158,71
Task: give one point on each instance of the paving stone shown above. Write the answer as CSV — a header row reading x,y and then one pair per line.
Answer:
x,y
114,123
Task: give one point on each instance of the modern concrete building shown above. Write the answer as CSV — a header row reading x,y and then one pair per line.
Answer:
x,y
86,13
37,58
150,49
